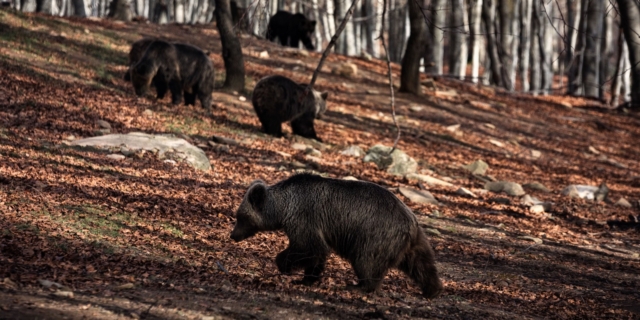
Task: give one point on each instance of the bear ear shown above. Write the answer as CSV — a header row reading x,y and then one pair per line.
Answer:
x,y
257,195
324,95
312,23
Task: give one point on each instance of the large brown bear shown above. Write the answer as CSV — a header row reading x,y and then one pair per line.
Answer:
x,y
360,221
183,67
291,29
135,54
278,99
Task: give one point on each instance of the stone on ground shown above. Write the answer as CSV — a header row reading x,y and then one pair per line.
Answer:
x,y
418,196
510,188
478,167
396,163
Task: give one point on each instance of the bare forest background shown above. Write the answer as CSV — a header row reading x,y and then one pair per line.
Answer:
x,y
577,47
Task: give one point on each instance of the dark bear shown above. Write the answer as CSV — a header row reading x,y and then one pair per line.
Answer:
x,y
278,99
291,29
135,54
360,221
183,67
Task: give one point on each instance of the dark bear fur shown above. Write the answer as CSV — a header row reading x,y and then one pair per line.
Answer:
x,y
278,99
291,29
135,54
184,67
360,221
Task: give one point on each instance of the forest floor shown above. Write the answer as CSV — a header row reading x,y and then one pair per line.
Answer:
x,y
83,235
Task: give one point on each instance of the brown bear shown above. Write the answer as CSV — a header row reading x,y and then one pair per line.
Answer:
x,y
291,29
184,67
135,54
277,99
360,221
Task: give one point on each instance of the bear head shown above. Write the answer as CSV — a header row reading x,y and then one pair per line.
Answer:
x,y
249,216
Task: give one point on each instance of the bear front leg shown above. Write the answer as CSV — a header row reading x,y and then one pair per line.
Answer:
x,y
303,126
294,42
285,265
176,91
273,128
161,86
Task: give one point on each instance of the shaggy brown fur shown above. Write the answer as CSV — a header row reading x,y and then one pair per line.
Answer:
x,y
278,99
360,221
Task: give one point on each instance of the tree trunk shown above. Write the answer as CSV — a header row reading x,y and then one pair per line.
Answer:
x,y
630,22
318,32
372,27
477,39
78,8
535,74
161,12
438,18
489,17
507,37
338,14
615,85
573,23
576,84
607,53
349,36
231,50
120,10
546,46
397,25
44,6
458,44
28,5
591,66
525,43
410,74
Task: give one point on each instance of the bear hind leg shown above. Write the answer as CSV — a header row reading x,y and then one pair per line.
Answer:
x,y
369,276
419,264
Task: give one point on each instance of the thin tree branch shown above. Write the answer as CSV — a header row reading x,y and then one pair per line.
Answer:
x,y
332,43
391,92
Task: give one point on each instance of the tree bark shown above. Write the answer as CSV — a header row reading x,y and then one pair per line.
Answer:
x,y
458,44
477,39
410,73
489,17
120,10
231,50
591,66
438,19
615,85
44,6
78,8
28,5
507,37
576,84
607,53
630,22
546,46
525,44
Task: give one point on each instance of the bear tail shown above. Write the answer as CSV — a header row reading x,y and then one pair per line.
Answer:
x,y
419,264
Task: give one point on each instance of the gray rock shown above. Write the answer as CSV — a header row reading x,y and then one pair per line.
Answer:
x,y
510,188
416,108
466,193
536,154
478,167
622,202
102,132
350,178
166,145
116,156
529,201
311,142
586,191
428,180
453,128
432,231
530,238
299,146
538,208
313,152
398,163
418,196
353,151
224,140
298,164
536,186
126,151
496,143
103,124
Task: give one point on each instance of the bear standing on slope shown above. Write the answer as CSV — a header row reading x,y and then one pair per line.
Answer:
x,y
360,221
278,99
183,67
135,54
291,29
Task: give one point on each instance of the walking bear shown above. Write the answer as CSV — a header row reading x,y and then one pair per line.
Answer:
x,y
360,221
291,29
135,54
278,99
183,67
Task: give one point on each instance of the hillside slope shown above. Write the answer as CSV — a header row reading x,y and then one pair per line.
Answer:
x,y
148,238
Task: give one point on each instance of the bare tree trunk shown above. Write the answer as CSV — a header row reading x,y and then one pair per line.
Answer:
x,y
338,14
573,23
536,62
607,53
318,33
44,6
438,19
615,85
476,38
161,12
349,38
507,37
458,44
630,22
28,5
178,11
370,11
120,10
397,39
546,46
576,83
591,66
410,75
231,50
525,43
489,18
78,8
